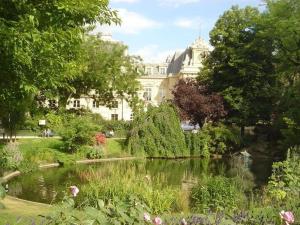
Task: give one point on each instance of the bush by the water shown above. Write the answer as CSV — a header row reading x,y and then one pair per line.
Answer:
x,y
93,152
217,194
157,132
78,131
284,185
11,156
211,138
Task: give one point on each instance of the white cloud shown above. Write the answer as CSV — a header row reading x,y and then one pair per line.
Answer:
x,y
124,1
176,3
132,23
191,23
153,54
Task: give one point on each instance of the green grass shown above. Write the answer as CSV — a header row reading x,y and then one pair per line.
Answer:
x,y
49,150
28,133
18,209
43,150
115,148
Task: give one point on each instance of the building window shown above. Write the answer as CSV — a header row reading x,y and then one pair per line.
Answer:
x,y
114,116
114,104
131,116
148,71
147,94
162,70
161,93
95,104
76,104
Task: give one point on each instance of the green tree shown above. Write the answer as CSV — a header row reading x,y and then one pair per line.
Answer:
x,y
240,67
281,22
106,73
40,43
157,133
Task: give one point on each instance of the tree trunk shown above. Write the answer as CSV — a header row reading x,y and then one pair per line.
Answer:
x,y
10,134
242,131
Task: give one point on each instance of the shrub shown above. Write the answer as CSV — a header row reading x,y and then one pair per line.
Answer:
x,y
213,139
11,156
157,133
215,193
100,139
284,182
95,152
78,131
54,121
129,212
2,195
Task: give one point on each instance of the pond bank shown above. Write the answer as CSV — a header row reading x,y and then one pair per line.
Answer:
x,y
18,208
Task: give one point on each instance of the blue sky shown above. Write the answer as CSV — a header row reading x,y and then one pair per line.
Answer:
x,y
154,29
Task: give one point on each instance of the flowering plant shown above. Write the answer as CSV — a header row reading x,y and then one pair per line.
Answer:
x,y
287,217
74,190
100,139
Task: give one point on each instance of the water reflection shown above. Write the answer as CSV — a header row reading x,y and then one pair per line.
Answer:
x,y
49,186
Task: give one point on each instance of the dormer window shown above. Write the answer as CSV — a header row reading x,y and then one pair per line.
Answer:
x,y
162,70
148,71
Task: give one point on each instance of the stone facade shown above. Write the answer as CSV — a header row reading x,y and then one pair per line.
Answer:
x,y
157,82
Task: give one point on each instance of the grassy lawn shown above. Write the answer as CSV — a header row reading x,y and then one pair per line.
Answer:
x,y
25,211
48,150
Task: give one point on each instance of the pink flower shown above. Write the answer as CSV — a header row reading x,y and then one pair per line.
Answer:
x,y
157,221
74,190
147,217
287,217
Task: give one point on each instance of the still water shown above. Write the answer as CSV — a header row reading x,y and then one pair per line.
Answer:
x,y
50,185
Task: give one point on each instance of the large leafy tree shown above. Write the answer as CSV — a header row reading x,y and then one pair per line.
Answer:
x,y
241,67
39,44
281,22
197,102
106,72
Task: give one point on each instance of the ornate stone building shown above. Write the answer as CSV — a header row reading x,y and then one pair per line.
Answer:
x,y
157,81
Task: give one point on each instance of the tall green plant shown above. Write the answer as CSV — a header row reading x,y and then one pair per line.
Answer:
x,y
213,139
78,131
284,182
157,133
2,194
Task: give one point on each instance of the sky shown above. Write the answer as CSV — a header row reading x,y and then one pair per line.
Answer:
x,y
155,29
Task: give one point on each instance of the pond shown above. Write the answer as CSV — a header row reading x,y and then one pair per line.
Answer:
x,y
50,185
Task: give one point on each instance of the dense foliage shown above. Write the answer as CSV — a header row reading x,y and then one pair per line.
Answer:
x,y
78,131
157,133
217,194
10,156
106,72
147,189
212,139
197,103
284,183
240,66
